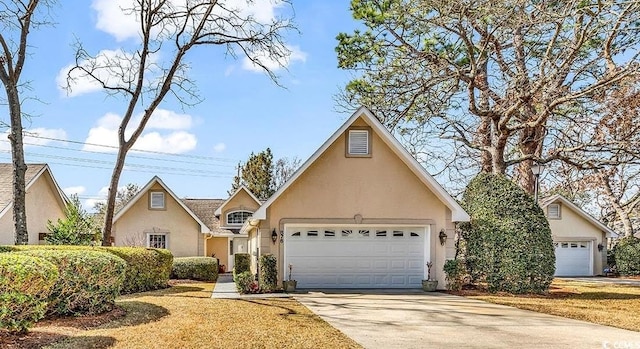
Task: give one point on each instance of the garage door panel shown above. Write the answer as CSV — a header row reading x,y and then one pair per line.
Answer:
x,y
358,258
573,258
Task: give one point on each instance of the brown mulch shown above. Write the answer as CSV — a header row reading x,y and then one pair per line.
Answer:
x,y
36,338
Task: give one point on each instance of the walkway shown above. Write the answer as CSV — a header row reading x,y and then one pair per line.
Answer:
x,y
226,289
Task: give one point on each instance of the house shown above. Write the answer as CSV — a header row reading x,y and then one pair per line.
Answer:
x,y
44,201
580,240
361,212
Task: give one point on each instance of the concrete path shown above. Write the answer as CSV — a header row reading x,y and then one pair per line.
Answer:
x,y
604,280
225,288
438,320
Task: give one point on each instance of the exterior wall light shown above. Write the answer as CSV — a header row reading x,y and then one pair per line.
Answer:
x,y
600,247
443,237
274,236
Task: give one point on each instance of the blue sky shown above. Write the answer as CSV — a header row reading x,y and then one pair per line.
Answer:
x,y
242,110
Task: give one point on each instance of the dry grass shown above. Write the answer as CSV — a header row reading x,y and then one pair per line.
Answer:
x,y
184,316
612,305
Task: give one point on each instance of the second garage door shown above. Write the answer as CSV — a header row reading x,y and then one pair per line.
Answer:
x,y
573,258
356,256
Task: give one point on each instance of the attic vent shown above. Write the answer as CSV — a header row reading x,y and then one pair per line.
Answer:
x,y
553,211
358,143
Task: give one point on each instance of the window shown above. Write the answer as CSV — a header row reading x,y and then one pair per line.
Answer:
x,y
312,233
329,233
398,233
157,241
553,211
381,233
156,200
238,217
358,142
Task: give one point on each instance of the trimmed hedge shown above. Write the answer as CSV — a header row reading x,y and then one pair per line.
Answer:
x,y
508,241
627,256
454,271
25,285
195,268
88,282
147,268
268,272
246,283
242,263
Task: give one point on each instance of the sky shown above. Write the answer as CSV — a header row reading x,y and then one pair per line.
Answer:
x,y
194,150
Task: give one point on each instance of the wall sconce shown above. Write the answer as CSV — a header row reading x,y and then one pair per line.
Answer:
x,y
443,237
274,236
600,247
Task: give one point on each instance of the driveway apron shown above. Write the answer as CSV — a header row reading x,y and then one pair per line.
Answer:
x,y
437,320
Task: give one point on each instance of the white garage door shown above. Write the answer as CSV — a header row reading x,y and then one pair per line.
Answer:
x,y
573,258
356,257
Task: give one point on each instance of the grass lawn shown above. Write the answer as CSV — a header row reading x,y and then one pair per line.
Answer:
x,y
184,316
612,305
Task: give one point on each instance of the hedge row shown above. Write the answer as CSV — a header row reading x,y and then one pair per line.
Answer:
x,y
146,268
195,268
268,272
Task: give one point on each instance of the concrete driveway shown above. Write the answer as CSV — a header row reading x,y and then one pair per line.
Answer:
x,y
603,280
409,319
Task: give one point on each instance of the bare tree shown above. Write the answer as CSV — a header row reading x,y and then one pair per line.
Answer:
x,y
499,79
17,19
172,30
283,169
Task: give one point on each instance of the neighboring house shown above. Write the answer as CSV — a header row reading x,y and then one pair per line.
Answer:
x,y
156,217
360,213
580,240
44,201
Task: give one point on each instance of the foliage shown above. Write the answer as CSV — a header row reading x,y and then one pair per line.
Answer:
x,y
257,175
284,168
242,263
77,228
123,195
88,282
508,241
245,282
25,285
195,268
627,256
454,271
268,272
147,268
500,83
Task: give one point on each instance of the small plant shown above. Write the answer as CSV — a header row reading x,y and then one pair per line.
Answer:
x,y
244,282
290,271
290,285
429,266
454,270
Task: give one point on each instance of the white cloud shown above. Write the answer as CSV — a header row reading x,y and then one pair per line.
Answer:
x,y
89,204
273,64
113,18
219,148
77,190
104,136
104,191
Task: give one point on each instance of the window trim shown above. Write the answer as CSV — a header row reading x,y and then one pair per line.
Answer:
x,y
347,142
226,217
166,239
164,200
559,215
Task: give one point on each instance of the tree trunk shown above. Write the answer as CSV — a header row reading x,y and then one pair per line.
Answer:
x,y
111,201
530,145
19,166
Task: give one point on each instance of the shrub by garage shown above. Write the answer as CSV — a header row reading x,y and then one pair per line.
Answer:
x,y
627,256
195,268
25,285
88,282
268,272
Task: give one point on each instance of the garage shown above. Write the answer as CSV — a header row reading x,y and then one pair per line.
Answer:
x,y
356,256
573,258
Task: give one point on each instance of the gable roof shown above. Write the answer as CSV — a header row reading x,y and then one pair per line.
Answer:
x,y
582,213
204,209
457,212
203,227
34,171
242,187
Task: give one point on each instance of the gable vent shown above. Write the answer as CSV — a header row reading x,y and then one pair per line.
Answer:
x,y
358,142
553,211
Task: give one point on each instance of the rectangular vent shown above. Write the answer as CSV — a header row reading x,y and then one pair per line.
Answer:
x,y
358,142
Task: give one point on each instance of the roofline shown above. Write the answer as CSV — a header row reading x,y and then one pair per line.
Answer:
x,y
580,212
457,212
45,168
203,227
218,212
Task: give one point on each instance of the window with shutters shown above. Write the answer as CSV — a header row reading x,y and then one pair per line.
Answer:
x,y
156,200
553,211
359,142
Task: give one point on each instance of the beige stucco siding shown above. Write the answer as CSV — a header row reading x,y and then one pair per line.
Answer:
x,y
573,227
43,203
219,246
380,188
241,201
182,230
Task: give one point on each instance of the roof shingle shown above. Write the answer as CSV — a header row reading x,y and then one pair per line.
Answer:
x,y
6,180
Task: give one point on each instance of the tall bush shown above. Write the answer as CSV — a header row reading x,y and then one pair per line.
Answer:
x,y
268,272
508,241
195,268
25,285
627,256
242,263
88,282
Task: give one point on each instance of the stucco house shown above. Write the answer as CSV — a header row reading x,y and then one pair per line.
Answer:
x,y
44,201
361,212
579,239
